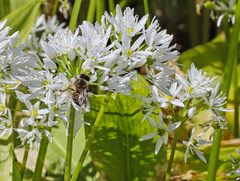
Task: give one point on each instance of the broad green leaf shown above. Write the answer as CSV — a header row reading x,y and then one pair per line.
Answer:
x,y
55,157
14,4
210,56
117,151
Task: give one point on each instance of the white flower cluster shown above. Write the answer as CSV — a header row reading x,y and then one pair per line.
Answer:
x,y
186,97
57,66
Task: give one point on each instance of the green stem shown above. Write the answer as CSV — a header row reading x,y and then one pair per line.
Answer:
x,y
236,103
74,15
193,23
40,159
90,138
100,9
55,7
111,5
231,63
24,162
171,159
205,26
68,159
226,29
213,159
91,10
146,10
16,175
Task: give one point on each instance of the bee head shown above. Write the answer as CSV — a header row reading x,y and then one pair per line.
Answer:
x,y
84,76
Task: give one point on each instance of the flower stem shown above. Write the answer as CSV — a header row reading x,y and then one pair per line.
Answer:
x,y
111,6
146,10
213,159
171,159
68,158
231,63
236,103
24,161
55,7
74,15
90,138
40,159
100,9
91,10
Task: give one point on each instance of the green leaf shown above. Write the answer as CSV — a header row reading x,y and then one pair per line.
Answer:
x,y
116,150
14,4
54,162
210,56
4,7
23,18
5,164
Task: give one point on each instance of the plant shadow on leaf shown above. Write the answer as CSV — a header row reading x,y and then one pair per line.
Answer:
x,y
116,150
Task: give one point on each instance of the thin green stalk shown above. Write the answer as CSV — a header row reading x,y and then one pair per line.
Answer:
x,y
74,15
24,161
146,10
193,23
236,103
100,9
214,154
68,159
231,63
226,29
91,10
16,175
55,7
90,138
171,159
111,5
205,26
40,159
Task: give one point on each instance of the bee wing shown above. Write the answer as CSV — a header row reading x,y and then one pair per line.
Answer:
x,y
83,101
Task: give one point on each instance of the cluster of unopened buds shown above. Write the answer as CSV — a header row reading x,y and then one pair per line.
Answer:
x,y
222,10
53,70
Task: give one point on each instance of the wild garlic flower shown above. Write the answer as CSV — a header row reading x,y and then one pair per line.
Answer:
x,y
6,124
165,99
63,42
3,99
40,31
159,43
196,83
164,130
126,22
191,145
94,48
34,124
216,103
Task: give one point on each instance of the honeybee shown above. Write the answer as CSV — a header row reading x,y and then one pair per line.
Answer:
x,y
79,90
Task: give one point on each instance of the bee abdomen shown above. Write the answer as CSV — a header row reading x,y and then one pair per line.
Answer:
x,y
75,98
